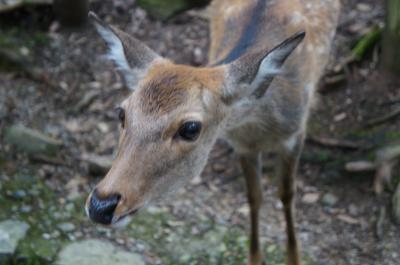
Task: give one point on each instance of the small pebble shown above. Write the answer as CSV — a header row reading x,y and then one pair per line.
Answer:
x,y
70,207
46,236
26,209
66,227
34,192
55,234
364,7
71,237
19,194
329,199
353,210
310,198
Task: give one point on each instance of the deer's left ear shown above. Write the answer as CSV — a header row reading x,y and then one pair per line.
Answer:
x,y
252,73
131,56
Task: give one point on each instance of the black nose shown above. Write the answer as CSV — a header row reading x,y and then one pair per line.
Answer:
x,y
101,210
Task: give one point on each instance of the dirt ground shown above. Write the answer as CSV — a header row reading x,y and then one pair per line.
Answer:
x,y
77,106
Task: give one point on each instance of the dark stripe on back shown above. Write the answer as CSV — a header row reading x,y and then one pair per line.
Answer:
x,y
249,33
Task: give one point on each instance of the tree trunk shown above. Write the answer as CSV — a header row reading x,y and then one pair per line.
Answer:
x,y
391,42
71,12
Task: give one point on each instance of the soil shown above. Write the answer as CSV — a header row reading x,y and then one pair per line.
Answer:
x,y
85,91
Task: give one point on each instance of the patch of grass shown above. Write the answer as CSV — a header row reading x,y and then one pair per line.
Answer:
x,y
317,157
15,38
161,9
214,244
171,239
28,199
18,47
375,136
31,261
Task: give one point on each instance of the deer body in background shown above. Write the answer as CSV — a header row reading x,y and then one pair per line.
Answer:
x,y
266,58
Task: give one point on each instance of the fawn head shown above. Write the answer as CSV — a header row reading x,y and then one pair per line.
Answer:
x,y
171,120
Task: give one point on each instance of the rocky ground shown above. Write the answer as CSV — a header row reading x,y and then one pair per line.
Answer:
x,y
67,97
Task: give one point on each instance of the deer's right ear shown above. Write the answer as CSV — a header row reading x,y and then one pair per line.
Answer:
x,y
132,57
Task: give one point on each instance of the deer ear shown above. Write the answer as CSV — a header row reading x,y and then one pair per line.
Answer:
x,y
253,73
132,57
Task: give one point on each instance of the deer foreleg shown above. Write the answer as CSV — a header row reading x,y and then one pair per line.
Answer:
x,y
251,166
289,159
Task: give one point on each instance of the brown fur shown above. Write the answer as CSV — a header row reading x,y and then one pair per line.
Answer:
x,y
277,23
167,85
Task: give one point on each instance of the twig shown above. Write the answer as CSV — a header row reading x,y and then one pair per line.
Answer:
x,y
48,160
331,81
380,222
360,166
335,143
391,115
388,153
383,165
396,204
334,79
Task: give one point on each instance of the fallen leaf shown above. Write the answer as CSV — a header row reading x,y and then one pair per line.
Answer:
x,y
310,198
348,219
245,210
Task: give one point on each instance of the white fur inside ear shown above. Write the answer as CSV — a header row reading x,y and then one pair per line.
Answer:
x,y
116,50
273,62
268,68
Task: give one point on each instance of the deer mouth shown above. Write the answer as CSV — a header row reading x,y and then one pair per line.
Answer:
x,y
124,219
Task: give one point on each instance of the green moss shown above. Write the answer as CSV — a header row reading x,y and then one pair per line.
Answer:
x,y
214,244
161,9
317,157
375,137
161,233
15,42
22,191
19,261
14,38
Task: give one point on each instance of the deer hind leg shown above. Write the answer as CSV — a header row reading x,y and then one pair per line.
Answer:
x,y
289,159
251,166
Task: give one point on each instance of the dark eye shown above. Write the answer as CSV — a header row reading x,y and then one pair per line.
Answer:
x,y
190,131
121,116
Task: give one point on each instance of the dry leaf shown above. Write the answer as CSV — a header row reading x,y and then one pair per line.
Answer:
x,y
348,219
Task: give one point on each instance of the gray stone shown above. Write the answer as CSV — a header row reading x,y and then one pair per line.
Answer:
x,y
329,199
31,141
18,194
210,244
97,252
66,227
26,208
11,232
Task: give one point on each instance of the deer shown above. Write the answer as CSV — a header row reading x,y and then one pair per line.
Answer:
x,y
256,91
